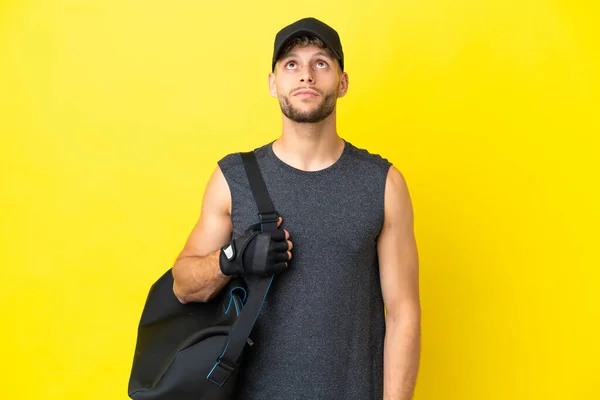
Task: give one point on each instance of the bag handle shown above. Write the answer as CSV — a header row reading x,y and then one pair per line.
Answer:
x,y
241,329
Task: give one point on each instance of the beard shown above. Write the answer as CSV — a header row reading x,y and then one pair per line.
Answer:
x,y
314,115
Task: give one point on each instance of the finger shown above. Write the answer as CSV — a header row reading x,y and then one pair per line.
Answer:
x,y
279,221
279,247
281,257
280,266
289,255
278,235
290,245
287,234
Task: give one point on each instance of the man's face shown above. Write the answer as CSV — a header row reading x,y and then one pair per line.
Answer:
x,y
307,81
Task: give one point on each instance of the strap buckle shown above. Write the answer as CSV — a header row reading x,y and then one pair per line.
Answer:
x,y
220,372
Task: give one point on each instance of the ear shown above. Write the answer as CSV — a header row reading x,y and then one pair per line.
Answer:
x,y
272,85
343,88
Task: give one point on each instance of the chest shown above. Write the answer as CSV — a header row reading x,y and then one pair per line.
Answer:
x,y
342,214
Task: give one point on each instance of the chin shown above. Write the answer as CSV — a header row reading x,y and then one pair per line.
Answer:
x,y
308,105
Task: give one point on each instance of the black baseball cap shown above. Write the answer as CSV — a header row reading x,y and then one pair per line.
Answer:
x,y
309,27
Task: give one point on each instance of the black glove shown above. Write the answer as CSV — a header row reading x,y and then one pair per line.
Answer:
x,y
255,253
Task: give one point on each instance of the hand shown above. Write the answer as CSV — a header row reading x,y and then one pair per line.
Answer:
x,y
257,253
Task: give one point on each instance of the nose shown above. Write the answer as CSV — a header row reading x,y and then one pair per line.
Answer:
x,y
306,75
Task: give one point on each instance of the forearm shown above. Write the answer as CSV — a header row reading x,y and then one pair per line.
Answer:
x,y
198,278
401,356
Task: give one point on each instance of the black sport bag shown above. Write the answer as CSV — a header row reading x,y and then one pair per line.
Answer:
x,y
194,351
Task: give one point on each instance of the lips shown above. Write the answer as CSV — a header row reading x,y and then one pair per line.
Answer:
x,y
306,93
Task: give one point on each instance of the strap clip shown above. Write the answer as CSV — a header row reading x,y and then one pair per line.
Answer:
x,y
220,372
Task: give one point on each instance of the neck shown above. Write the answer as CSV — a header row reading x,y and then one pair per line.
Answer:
x,y
309,147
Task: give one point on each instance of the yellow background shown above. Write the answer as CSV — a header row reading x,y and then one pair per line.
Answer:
x,y
114,113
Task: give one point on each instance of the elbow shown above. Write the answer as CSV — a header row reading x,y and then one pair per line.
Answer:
x,y
186,297
407,315
178,291
179,288
180,294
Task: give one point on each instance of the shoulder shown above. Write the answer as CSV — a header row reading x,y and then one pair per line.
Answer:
x,y
398,208
368,158
393,175
231,161
375,166
394,182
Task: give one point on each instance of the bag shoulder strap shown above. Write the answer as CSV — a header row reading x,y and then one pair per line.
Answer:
x,y
266,211
241,329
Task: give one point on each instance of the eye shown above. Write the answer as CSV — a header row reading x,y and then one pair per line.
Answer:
x,y
290,65
321,64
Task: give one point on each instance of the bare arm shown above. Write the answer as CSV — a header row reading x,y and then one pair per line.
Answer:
x,y
196,271
398,261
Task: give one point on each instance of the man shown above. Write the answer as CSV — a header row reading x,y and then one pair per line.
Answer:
x,y
345,247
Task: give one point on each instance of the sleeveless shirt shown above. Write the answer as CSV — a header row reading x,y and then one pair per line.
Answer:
x,y
321,330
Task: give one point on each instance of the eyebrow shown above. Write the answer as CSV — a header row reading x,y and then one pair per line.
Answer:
x,y
320,53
